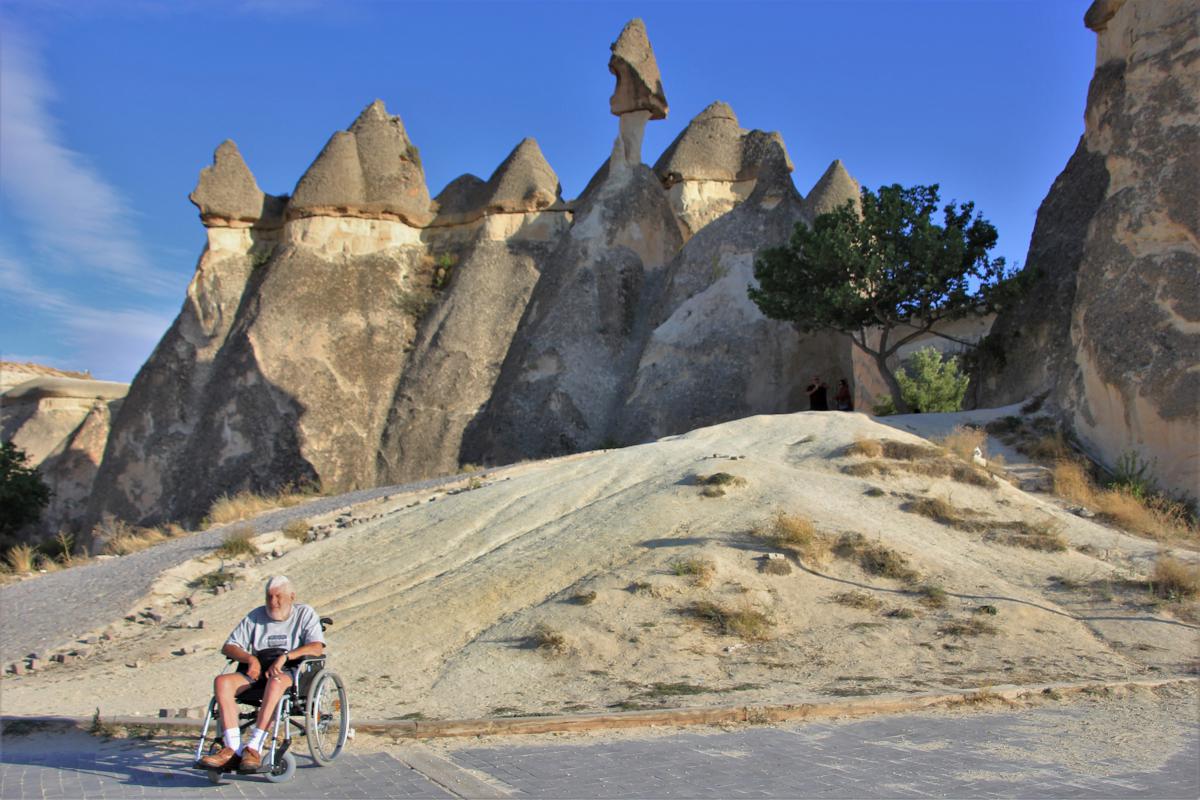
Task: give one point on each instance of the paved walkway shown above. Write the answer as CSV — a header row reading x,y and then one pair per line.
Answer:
x,y
1079,750
101,592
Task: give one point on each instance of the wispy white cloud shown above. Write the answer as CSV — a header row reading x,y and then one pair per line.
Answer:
x,y
70,214
110,343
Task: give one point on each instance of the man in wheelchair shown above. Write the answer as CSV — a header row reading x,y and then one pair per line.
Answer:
x,y
263,644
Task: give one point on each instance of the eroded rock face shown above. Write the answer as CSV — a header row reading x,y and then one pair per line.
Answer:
x,y
832,190
713,165
227,193
523,182
712,355
582,334
1120,227
61,424
370,170
639,84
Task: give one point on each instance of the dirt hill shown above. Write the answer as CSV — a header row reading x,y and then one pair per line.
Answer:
x,y
614,579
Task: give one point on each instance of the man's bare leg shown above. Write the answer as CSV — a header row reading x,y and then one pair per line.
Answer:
x,y
226,687
275,688
252,752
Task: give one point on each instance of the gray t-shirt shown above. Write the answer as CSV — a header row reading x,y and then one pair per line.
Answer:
x,y
258,631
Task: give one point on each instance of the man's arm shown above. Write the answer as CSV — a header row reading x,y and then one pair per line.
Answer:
x,y
253,667
304,650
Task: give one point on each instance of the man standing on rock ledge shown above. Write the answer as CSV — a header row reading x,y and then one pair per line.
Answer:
x,y
274,634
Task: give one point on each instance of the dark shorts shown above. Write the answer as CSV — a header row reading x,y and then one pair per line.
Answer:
x,y
253,694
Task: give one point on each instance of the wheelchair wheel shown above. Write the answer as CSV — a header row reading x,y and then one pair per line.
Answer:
x,y
326,717
284,770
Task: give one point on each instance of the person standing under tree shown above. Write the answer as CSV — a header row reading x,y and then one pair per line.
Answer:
x,y
818,397
843,398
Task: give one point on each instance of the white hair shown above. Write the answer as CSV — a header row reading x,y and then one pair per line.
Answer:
x,y
279,581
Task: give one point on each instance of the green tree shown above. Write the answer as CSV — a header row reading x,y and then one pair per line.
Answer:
x,y
889,266
931,383
23,494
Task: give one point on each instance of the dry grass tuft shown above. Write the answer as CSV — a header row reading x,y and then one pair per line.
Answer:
x,y
874,557
701,570
775,566
247,504
712,491
1045,536
1156,517
962,442
1175,580
954,470
746,623
858,600
1051,447
797,534
939,510
1071,482
547,639
297,530
215,579
865,469
908,451
870,448
583,598
933,596
973,626
238,543
720,479
118,538
20,558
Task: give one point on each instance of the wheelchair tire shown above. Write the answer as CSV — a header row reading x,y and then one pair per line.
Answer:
x,y
326,717
283,771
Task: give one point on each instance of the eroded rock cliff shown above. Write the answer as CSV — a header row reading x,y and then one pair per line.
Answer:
x,y
1112,331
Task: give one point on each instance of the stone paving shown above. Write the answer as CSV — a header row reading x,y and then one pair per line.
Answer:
x,y
1075,750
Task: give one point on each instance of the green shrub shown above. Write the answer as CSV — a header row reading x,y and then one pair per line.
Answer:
x,y
1134,475
932,382
23,493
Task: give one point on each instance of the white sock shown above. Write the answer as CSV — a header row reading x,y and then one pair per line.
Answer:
x,y
233,739
257,736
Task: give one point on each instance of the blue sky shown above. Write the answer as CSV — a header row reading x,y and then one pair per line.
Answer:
x,y
108,110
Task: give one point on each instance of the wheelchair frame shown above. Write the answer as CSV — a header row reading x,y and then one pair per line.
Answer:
x,y
308,673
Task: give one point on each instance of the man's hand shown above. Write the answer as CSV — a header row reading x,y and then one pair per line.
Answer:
x,y
253,668
276,669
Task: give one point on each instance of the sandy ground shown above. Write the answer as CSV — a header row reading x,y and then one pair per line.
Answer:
x,y
437,598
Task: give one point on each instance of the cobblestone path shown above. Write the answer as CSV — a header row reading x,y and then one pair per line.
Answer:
x,y
1078,750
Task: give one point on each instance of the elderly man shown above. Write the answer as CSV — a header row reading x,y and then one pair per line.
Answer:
x,y
263,643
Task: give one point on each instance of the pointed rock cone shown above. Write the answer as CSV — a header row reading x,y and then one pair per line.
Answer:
x,y
372,169
639,85
709,148
227,190
833,189
524,181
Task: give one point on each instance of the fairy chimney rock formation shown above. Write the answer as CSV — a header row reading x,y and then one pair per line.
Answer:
x,y
714,164
639,95
227,194
832,190
371,170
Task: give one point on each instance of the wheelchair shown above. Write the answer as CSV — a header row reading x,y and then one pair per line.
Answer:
x,y
315,704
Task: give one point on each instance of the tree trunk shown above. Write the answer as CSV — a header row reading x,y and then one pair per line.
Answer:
x,y
892,384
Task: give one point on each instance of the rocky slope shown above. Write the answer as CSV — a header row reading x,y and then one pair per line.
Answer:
x,y
589,582
1112,330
